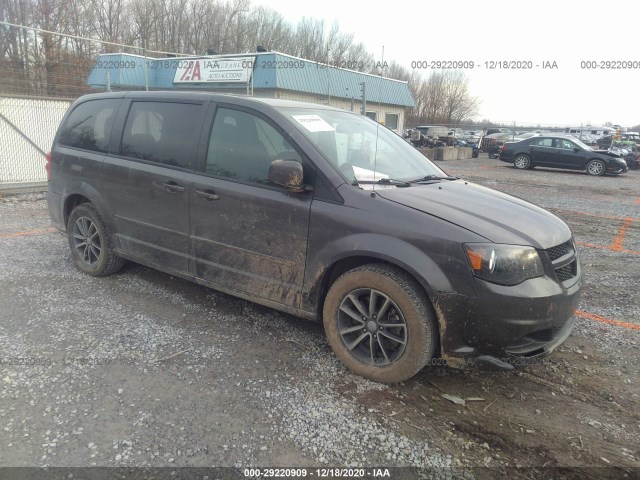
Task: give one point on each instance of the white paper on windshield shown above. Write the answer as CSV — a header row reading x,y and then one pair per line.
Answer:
x,y
366,175
313,123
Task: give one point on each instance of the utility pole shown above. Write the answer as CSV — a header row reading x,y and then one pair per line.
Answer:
x,y
363,89
144,67
328,80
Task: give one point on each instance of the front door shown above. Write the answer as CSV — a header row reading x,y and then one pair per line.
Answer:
x,y
248,235
569,154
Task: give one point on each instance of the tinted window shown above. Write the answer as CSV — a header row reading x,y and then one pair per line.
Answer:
x,y
162,132
542,142
242,147
89,125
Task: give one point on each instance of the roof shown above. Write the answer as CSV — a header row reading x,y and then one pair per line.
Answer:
x,y
206,96
121,70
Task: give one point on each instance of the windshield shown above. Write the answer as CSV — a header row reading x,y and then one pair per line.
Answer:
x,y
360,148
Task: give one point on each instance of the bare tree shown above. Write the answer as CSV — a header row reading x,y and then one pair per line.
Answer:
x,y
444,98
110,16
266,27
143,23
459,104
309,40
184,26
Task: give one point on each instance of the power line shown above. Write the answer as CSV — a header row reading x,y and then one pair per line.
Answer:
x,y
77,37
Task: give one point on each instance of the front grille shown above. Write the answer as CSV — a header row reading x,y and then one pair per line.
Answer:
x,y
558,256
560,250
566,272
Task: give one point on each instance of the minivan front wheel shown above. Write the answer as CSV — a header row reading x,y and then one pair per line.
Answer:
x,y
379,323
89,241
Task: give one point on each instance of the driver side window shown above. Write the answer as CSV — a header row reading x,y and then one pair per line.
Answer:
x,y
242,147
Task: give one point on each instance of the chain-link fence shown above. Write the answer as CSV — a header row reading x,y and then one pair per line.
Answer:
x,y
27,128
41,73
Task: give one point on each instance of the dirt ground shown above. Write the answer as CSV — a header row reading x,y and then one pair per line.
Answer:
x,y
192,377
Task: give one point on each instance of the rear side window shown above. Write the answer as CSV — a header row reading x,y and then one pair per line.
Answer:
x,y
162,132
89,125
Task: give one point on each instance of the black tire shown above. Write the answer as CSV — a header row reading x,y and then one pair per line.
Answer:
x,y
90,243
522,161
407,310
596,167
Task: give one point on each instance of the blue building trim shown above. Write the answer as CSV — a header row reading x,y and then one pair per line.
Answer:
x,y
271,71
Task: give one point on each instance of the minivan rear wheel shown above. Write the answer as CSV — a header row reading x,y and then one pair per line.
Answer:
x,y
379,323
91,247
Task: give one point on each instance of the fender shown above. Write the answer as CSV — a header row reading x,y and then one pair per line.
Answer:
x,y
383,247
81,187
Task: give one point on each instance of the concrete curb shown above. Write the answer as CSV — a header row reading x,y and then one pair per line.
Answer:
x,y
16,188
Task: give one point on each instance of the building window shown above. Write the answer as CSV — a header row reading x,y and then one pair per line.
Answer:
x,y
372,116
391,121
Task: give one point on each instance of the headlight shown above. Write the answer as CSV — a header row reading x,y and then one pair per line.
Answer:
x,y
504,264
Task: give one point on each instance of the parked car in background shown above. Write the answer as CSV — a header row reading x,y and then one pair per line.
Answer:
x,y
494,149
429,136
561,152
493,131
525,135
493,142
631,136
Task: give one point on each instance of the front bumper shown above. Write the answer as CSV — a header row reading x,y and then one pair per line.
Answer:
x,y
505,326
617,168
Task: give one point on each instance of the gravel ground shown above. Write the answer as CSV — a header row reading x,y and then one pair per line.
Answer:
x,y
144,369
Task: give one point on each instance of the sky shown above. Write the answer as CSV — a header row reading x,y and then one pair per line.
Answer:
x,y
565,32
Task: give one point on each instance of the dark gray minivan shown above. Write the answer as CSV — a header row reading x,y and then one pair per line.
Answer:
x,y
318,212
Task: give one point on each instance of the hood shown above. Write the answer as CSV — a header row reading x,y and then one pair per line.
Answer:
x,y
493,215
608,153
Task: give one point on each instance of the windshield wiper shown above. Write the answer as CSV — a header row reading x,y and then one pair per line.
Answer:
x,y
384,181
430,178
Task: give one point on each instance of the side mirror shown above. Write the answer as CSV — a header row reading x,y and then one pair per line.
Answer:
x,y
576,149
287,173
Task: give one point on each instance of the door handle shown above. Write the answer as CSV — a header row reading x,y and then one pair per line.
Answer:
x,y
173,187
207,195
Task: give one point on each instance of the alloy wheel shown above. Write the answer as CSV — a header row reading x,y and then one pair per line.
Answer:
x,y
86,240
372,326
596,168
522,162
